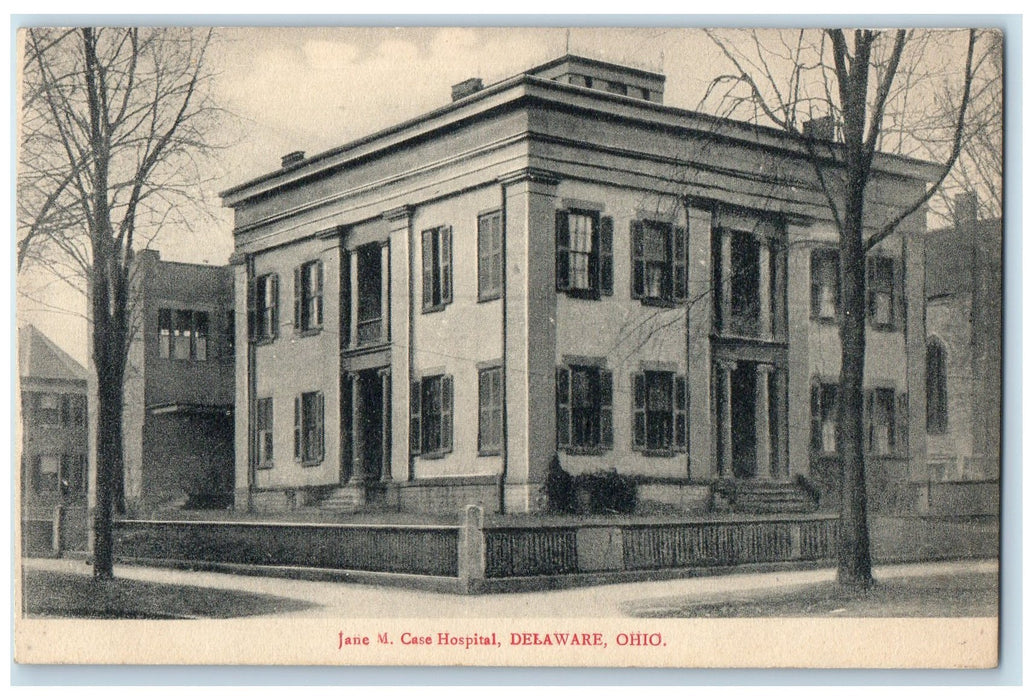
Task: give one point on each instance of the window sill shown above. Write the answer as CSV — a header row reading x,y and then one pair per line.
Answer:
x,y
659,303
308,332
434,309
656,452
589,294
441,454
493,296
586,451
258,342
494,452
883,327
825,320
311,462
264,465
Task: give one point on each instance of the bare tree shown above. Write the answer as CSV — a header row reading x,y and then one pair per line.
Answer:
x,y
785,78
115,125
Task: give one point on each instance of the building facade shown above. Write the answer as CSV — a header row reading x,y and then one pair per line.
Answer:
x,y
963,351
558,264
53,425
178,409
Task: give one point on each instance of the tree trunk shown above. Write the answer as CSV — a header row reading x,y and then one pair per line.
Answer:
x,y
855,565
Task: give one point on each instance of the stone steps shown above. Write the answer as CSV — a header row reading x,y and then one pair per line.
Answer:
x,y
772,497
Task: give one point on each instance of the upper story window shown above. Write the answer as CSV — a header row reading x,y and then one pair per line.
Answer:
x,y
308,427
437,268
884,292
430,429
183,334
308,296
825,284
659,405
229,336
658,269
48,409
264,303
489,256
749,277
935,388
584,253
584,408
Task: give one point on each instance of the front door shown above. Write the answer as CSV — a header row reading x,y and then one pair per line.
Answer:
x,y
370,424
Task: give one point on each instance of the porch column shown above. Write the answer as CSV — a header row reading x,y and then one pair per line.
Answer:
x,y
726,280
400,325
358,474
726,367
384,376
385,293
762,423
353,315
764,293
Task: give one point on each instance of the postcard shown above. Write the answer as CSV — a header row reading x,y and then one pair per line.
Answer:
x,y
590,346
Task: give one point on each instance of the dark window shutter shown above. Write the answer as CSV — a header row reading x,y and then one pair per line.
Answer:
x,y
817,258
562,251
274,284
816,417
899,306
297,428
414,418
484,251
297,299
680,409
319,425
446,413
446,265
319,293
638,411
606,255
428,269
562,407
344,310
66,410
680,268
251,290
638,262
869,417
605,409
484,430
870,277
900,433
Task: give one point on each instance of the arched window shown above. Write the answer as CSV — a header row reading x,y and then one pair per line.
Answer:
x,y
935,388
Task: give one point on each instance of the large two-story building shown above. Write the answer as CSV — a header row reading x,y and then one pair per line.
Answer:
x,y
560,264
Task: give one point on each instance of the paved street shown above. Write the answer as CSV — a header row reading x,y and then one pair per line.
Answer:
x,y
315,599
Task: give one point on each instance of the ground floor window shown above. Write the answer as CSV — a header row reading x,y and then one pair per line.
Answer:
x,y
308,427
824,398
659,407
264,432
489,433
431,415
584,408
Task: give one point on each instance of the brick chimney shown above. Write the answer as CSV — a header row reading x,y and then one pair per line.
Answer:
x,y
292,158
966,211
466,88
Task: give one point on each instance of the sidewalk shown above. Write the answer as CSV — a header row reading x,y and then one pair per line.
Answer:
x,y
316,599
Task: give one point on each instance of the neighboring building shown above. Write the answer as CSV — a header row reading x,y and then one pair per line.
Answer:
x,y
178,412
963,352
54,425
560,264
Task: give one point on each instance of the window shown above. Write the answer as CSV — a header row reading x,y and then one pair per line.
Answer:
x,y
584,408
264,432
489,434
370,326
45,473
584,253
880,410
308,428
73,474
659,404
824,398
229,343
489,256
48,409
935,388
430,429
308,296
658,270
437,268
73,409
882,292
183,334
264,303
825,284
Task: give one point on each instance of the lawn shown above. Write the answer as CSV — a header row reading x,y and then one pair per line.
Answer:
x,y
961,595
52,594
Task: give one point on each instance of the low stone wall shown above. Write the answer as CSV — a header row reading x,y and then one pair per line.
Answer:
x,y
449,494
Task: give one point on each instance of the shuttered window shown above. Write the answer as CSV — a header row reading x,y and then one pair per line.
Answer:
x,y
584,408
489,256
489,433
584,253
431,416
308,428
308,296
659,407
659,270
263,308
437,268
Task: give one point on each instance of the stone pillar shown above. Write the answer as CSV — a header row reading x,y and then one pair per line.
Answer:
x,y
471,549
764,291
726,281
244,369
386,404
801,365
385,292
353,313
726,368
762,425
401,328
530,336
358,473
701,420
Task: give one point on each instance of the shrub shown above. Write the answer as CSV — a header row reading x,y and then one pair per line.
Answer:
x,y
608,492
559,489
